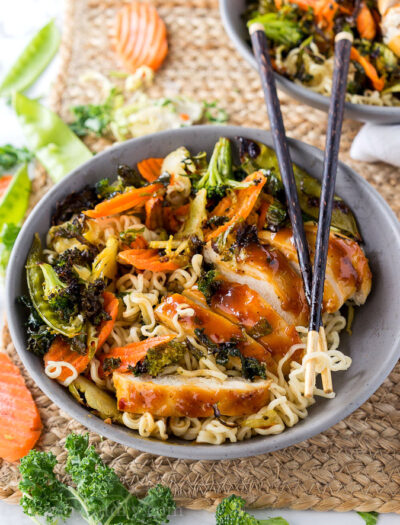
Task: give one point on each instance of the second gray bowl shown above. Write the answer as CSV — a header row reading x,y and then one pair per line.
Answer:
x,y
231,13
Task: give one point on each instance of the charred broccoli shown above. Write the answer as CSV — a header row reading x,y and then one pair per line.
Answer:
x,y
127,177
62,297
159,357
208,284
219,174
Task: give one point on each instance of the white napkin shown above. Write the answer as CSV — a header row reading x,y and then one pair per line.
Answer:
x,y
376,142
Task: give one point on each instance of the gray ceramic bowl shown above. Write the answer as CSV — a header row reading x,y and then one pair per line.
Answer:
x,y
231,12
374,346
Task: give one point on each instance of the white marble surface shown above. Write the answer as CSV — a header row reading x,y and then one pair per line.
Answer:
x,y
19,19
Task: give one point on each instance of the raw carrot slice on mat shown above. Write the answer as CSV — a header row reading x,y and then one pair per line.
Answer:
x,y
4,183
147,260
20,423
124,201
60,349
150,169
132,353
140,36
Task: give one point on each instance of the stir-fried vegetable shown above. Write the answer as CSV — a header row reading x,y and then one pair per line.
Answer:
x,y
33,60
98,494
219,174
255,155
53,143
90,395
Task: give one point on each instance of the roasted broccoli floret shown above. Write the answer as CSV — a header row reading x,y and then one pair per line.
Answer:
x,y
231,512
127,177
159,357
208,284
279,29
219,174
276,216
65,262
62,297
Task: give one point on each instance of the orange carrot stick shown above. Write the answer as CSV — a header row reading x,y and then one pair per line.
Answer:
x,y
20,423
140,36
132,353
150,169
377,81
111,305
125,201
242,206
147,260
366,23
4,183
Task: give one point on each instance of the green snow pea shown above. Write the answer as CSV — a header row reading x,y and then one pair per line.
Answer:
x,y
53,143
15,201
13,207
33,60
35,281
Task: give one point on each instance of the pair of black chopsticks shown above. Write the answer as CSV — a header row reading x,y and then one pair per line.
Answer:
x,y
313,280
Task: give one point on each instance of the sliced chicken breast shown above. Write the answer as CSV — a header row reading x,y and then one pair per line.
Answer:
x,y
347,271
217,328
244,306
191,397
267,271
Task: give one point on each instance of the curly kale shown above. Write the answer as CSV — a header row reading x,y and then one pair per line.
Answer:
x,y
98,494
127,177
74,204
251,367
231,512
111,363
39,335
65,262
92,302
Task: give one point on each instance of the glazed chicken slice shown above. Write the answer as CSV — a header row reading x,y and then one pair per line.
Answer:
x,y
217,328
267,271
191,397
347,271
245,307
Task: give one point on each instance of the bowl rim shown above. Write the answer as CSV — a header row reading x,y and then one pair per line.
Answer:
x,y
361,112
185,450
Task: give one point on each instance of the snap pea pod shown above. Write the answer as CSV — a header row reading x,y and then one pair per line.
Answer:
x,y
14,203
32,61
53,143
35,281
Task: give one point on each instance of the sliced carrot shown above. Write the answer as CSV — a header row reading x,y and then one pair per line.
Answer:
x,y
60,349
377,81
130,199
132,353
147,260
140,36
139,242
182,211
20,424
4,183
366,23
154,213
171,224
111,305
241,207
150,169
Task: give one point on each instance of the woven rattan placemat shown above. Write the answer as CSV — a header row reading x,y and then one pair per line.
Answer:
x,y
355,464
